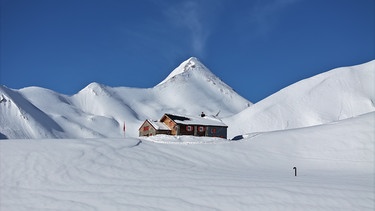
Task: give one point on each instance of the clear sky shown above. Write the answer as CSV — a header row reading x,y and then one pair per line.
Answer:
x,y
255,46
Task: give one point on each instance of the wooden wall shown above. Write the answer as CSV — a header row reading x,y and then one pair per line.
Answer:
x,y
180,129
146,129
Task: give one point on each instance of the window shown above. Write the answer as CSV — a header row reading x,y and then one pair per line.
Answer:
x,y
201,129
146,128
189,128
213,130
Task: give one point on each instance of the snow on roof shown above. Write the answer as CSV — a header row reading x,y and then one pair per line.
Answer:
x,y
196,120
158,125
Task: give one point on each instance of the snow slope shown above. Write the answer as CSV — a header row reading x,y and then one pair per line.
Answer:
x,y
335,167
101,111
20,118
334,95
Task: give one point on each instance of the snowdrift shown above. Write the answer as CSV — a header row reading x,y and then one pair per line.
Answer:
x,y
334,171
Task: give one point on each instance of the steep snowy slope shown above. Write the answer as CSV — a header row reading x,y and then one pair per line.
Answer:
x,y
101,111
22,119
192,80
334,95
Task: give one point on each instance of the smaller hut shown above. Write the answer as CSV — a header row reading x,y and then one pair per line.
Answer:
x,y
151,127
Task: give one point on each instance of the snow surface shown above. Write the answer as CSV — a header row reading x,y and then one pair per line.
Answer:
x,y
331,96
158,125
68,152
335,171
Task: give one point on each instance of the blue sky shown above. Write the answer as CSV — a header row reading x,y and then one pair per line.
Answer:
x,y
256,46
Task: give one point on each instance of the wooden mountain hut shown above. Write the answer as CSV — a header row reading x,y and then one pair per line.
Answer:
x,y
172,124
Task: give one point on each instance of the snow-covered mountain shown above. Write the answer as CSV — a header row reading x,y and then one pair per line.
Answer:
x,y
328,97
334,158
101,111
191,88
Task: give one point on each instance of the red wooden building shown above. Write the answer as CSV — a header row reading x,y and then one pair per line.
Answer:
x,y
172,124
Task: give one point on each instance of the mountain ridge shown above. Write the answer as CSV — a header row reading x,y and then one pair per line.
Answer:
x,y
101,111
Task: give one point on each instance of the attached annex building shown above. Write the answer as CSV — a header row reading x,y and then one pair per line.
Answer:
x,y
171,124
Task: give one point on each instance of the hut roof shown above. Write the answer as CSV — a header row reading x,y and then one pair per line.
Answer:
x,y
158,125
196,120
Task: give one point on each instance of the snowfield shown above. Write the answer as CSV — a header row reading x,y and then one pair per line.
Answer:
x,y
60,152
335,171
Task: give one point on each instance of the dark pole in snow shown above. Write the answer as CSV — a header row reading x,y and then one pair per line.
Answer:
x,y
295,171
124,128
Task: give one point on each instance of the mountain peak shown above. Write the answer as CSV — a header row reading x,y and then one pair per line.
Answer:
x,y
192,63
95,89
